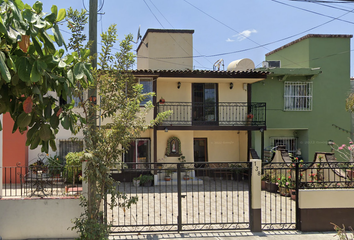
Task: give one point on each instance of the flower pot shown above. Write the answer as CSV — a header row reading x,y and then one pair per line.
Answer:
x,y
263,185
284,191
186,177
162,101
167,178
136,183
350,173
292,194
147,183
271,187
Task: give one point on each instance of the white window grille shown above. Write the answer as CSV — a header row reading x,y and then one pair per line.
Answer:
x,y
298,96
147,88
290,143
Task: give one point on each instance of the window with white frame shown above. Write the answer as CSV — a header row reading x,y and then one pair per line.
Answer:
x,y
147,88
297,96
290,143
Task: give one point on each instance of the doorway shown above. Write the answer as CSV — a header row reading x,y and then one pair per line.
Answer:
x,y
200,155
204,103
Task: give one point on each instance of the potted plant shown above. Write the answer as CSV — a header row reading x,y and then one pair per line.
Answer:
x,y
271,186
55,167
136,181
249,118
283,184
265,178
168,174
162,100
186,175
238,171
146,180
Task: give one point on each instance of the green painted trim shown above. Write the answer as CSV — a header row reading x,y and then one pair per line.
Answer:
x,y
274,72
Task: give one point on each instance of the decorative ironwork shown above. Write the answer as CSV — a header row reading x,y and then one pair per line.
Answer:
x,y
221,114
209,200
30,181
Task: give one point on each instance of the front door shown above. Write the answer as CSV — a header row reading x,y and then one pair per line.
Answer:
x,y
200,155
204,105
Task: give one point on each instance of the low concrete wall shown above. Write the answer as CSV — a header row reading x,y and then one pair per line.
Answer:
x,y
38,218
319,207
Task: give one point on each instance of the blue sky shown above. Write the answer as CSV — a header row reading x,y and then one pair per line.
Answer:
x,y
227,29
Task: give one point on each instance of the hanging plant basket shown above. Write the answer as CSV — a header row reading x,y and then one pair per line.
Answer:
x,y
162,100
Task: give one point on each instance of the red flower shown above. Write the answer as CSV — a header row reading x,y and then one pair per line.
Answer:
x,y
250,116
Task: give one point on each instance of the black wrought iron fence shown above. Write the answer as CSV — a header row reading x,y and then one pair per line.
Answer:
x,y
41,181
279,188
182,196
326,175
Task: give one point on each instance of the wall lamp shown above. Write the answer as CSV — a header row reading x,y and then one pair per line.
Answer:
x,y
166,129
179,85
231,85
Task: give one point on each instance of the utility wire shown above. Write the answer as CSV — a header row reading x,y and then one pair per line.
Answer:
x,y
306,10
169,33
182,38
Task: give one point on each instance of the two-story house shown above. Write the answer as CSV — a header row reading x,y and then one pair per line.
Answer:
x,y
305,92
213,115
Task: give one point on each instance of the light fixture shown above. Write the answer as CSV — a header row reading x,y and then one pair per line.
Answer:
x,y
245,86
261,130
179,85
231,85
166,129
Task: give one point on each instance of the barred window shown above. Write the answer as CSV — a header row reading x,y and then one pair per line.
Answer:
x,y
66,146
290,143
298,96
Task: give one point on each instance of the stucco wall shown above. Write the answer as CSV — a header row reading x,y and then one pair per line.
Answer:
x,y
162,45
321,207
330,89
222,146
38,218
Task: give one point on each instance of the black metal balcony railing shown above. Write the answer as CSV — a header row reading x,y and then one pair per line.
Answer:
x,y
220,114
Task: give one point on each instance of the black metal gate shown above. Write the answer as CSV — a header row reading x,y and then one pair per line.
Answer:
x,y
216,199
279,188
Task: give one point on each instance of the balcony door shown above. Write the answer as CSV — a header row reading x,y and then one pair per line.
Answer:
x,y
204,103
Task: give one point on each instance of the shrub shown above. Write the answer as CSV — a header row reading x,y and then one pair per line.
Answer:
x,y
73,167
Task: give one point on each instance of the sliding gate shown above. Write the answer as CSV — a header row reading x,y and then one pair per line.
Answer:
x,y
215,197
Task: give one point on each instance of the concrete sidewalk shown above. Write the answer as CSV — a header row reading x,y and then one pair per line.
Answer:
x,y
238,235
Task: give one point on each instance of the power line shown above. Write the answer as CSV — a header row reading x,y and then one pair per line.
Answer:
x,y
169,33
306,10
153,14
182,38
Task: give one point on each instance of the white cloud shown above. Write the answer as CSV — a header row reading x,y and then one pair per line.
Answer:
x,y
245,34
229,40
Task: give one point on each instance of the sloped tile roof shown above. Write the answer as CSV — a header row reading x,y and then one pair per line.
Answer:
x,y
201,73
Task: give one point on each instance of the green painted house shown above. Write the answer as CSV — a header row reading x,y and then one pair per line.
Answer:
x,y
305,94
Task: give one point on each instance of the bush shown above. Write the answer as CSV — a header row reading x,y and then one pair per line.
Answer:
x,y
73,167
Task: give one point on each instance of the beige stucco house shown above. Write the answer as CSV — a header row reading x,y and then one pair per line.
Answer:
x,y
213,115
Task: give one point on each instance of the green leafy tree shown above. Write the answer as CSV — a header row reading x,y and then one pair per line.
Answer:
x,y
33,72
119,108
